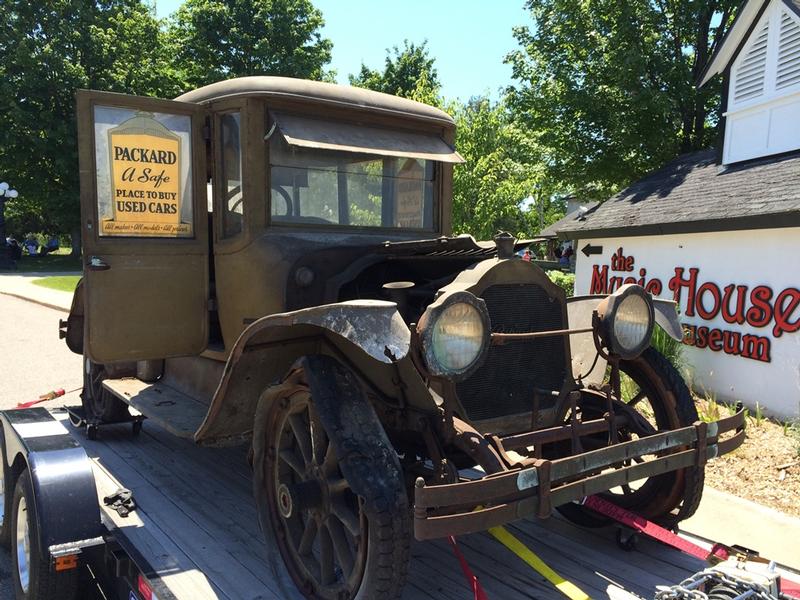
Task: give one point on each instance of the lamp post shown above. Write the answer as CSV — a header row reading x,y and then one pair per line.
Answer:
x,y
6,193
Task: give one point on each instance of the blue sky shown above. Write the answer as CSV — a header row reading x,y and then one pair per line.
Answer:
x,y
468,38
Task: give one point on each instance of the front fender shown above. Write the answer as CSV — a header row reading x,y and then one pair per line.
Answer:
x,y
369,332
585,362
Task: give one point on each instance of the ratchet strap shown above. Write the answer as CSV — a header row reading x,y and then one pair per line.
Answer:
x,y
719,552
650,529
570,590
472,579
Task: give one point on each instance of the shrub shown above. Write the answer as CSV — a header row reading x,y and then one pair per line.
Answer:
x,y
565,281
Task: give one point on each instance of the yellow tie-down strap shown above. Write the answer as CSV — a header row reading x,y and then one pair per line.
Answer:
x,y
570,590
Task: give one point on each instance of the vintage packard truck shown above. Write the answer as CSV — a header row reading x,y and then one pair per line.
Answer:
x,y
269,261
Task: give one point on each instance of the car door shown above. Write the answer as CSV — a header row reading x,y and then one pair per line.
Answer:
x,y
144,225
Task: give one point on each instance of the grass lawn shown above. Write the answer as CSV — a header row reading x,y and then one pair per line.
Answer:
x,y
62,283
51,262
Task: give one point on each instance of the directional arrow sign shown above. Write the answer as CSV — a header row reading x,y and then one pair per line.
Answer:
x,y
588,249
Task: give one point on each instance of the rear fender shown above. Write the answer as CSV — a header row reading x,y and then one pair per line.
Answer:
x,y
370,335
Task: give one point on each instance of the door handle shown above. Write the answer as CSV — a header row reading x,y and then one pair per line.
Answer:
x,y
97,264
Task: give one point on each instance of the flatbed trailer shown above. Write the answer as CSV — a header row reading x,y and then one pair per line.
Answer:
x,y
192,535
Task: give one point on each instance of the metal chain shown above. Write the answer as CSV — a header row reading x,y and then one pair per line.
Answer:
x,y
709,579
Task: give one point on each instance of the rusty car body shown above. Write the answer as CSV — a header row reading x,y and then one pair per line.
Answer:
x,y
294,285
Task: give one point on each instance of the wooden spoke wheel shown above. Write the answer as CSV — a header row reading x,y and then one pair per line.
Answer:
x,y
98,402
320,522
660,400
329,487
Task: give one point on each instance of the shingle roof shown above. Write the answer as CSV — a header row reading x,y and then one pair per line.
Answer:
x,y
575,215
693,193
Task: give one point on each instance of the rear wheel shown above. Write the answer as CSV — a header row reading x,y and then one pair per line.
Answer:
x,y
98,403
6,492
33,578
656,391
342,531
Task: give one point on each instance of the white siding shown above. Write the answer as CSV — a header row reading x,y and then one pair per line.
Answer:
x,y
742,258
763,116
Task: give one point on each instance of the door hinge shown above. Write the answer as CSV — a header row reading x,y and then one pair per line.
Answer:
x,y
212,304
207,130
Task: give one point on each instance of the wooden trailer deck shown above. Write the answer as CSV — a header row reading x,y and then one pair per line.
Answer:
x,y
196,525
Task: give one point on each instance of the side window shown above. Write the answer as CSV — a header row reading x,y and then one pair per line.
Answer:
x,y
232,200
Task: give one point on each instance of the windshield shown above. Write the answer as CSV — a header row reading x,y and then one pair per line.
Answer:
x,y
330,187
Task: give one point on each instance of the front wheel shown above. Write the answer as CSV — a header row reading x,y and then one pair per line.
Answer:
x,y
656,391
329,487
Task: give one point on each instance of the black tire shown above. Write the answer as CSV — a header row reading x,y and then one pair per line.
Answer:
x,y
671,497
361,456
98,403
6,491
42,582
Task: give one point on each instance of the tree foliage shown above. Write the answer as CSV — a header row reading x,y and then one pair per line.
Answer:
x,y
409,73
503,166
48,50
220,39
611,85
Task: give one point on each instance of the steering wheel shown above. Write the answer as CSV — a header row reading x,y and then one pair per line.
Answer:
x,y
230,194
286,198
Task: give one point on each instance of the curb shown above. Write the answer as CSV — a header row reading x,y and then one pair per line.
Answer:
x,y
34,301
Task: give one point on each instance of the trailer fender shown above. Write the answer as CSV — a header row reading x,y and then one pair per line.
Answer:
x,y
368,332
65,496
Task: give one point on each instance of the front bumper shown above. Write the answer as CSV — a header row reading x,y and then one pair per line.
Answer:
x,y
472,506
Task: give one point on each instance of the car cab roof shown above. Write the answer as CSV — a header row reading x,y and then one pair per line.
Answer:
x,y
316,91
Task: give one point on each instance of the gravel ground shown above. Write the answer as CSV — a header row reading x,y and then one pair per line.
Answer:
x,y
765,469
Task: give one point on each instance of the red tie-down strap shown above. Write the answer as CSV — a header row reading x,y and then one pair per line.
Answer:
x,y
718,551
472,579
650,529
790,588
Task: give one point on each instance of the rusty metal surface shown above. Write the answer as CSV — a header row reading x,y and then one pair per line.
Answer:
x,y
268,347
502,338
456,509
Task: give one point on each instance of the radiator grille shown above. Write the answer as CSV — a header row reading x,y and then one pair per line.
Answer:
x,y
504,384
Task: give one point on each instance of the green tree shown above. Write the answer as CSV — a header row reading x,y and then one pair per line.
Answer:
x,y
610,85
409,73
220,39
49,49
504,165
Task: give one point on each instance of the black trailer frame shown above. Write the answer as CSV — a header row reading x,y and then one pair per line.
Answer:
x,y
70,526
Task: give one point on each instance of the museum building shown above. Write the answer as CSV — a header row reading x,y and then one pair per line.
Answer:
x,y
719,230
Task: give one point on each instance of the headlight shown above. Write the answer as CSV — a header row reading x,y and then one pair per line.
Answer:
x,y
455,335
627,321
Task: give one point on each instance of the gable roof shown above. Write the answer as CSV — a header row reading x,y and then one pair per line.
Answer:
x,y
575,215
692,194
745,19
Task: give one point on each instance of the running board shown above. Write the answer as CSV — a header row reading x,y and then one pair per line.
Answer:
x,y
175,411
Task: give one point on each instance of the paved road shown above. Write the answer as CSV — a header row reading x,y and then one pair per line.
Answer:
x,y
33,361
